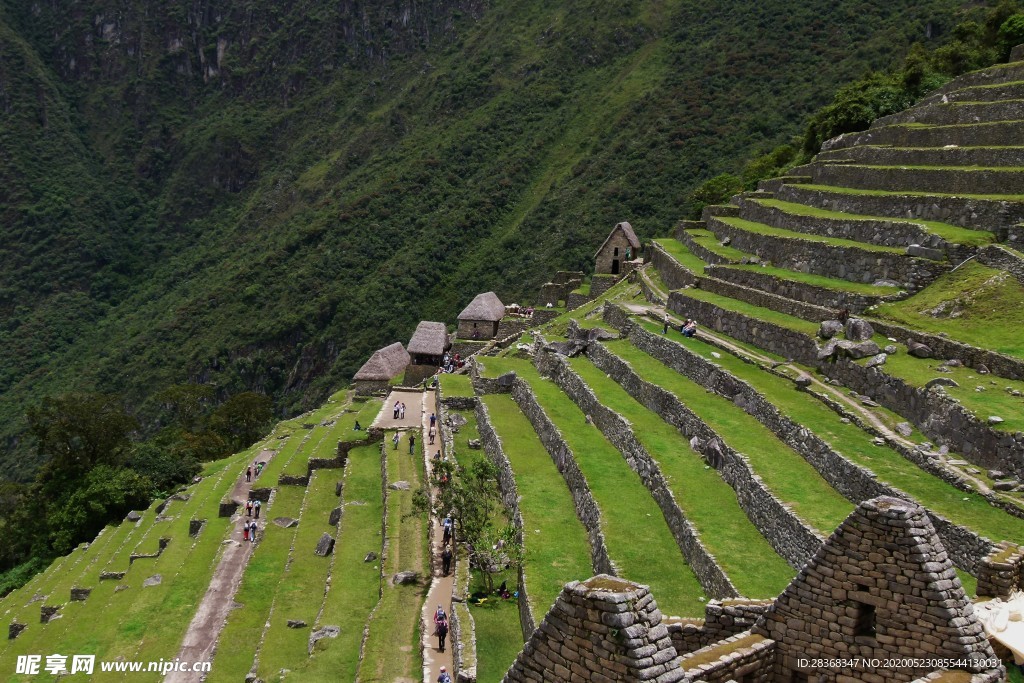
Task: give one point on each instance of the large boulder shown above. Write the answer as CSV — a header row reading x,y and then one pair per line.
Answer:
x,y
919,350
941,382
829,349
325,546
858,329
876,360
856,350
829,328
403,578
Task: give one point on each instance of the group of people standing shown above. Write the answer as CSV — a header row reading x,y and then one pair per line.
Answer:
x,y
256,467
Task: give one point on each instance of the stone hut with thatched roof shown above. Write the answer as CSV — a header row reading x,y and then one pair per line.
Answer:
x,y
479,320
620,246
428,343
383,366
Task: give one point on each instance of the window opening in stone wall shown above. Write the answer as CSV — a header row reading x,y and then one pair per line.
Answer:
x,y
616,253
865,620
800,677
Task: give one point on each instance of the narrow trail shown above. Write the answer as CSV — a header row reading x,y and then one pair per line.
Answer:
x,y
440,592
204,631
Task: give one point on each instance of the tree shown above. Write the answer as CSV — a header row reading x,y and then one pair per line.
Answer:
x,y
189,403
243,418
78,431
105,494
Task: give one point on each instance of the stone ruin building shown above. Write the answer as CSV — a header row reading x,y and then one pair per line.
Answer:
x,y
383,366
620,247
880,597
480,319
426,347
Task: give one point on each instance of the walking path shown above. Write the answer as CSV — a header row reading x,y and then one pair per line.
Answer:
x,y
204,630
440,586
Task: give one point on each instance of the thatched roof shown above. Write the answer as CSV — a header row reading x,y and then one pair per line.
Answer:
x,y
486,306
384,363
627,230
429,339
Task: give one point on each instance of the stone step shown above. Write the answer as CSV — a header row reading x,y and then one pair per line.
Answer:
x,y
974,212
1012,90
884,155
773,184
831,293
877,230
1004,181
994,134
952,113
834,258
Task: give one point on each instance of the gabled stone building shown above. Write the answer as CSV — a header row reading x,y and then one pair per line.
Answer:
x,y
620,246
480,319
383,366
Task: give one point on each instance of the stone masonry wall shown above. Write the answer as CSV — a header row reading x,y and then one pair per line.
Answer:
x,y
574,300
799,291
510,497
618,432
673,273
997,256
699,250
600,284
999,573
854,482
586,507
793,539
945,180
764,299
510,325
722,618
745,656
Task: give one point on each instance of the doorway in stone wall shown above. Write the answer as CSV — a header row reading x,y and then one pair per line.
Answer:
x,y
615,267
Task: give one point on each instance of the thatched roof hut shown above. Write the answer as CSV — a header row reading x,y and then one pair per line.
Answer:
x,y
384,364
485,307
428,343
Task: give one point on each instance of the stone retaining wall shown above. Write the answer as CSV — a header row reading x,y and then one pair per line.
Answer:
x,y
944,180
790,536
510,497
510,325
586,507
997,256
852,263
963,211
999,573
949,114
759,297
674,274
984,134
574,300
699,250
620,434
752,663
600,284
854,482
925,156
798,291
722,618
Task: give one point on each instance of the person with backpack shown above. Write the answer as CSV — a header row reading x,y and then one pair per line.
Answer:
x,y
444,677
442,633
256,509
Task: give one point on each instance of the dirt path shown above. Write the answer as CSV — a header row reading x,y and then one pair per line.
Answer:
x,y
440,586
204,630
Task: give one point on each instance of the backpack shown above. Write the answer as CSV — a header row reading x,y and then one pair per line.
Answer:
x,y
444,678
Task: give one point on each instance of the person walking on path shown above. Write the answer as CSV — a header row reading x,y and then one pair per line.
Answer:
x,y
256,509
432,433
248,508
412,443
664,330
401,413
245,531
397,409
433,419
252,532
395,439
447,524
248,473
446,560
442,633
443,677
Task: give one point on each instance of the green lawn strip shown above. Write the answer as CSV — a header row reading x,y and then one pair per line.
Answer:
x,y
467,432
260,585
969,509
754,567
557,549
948,232
815,280
639,540
993,400
758,312
455,385
888,193
288,449
321,434
970,583
681,253
620,290
762,229
499,637
397,617
710,241
355,584
786,474
975,304
302,587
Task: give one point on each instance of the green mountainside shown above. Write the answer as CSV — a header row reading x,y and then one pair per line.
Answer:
x,y
256,195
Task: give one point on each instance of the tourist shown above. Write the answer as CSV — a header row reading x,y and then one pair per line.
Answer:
x,y
248,473
442,633
664,330
259,469
437,456
252,532
432,433
433,419
412,442
248,508
448,525
446,560
358,426
690,328
398,407
256,509
395,439
401,412
245,531
443,677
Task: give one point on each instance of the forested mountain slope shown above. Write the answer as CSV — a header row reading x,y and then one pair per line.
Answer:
x,y
257,194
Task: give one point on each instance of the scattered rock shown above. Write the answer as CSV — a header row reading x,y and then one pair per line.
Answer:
x,y
456,421
121,587
997,474
1015,392
325,546
400,486
891,349
925,252
296,623
321,633
918,350
941,382
878,441
1006,484
133,516
335,517
885,283
403,578
370,556
953,363
858,349
829,329
904,429
154,580
828,350
474,444
858,329
869,403
995,419
845,420
804,380
979,388
876,360
982,369
286,522
716,354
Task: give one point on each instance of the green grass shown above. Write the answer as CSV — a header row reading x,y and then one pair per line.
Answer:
x,y
455,385
617,292
467,432
355,585
681,253
754,567
975,304
816,280
557,549
499,637
767,230
710,241
397,617
638,539
758,312
968,509
948,232
791,478
907,193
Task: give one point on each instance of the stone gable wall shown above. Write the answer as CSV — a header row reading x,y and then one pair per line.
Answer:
x,y
603,259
